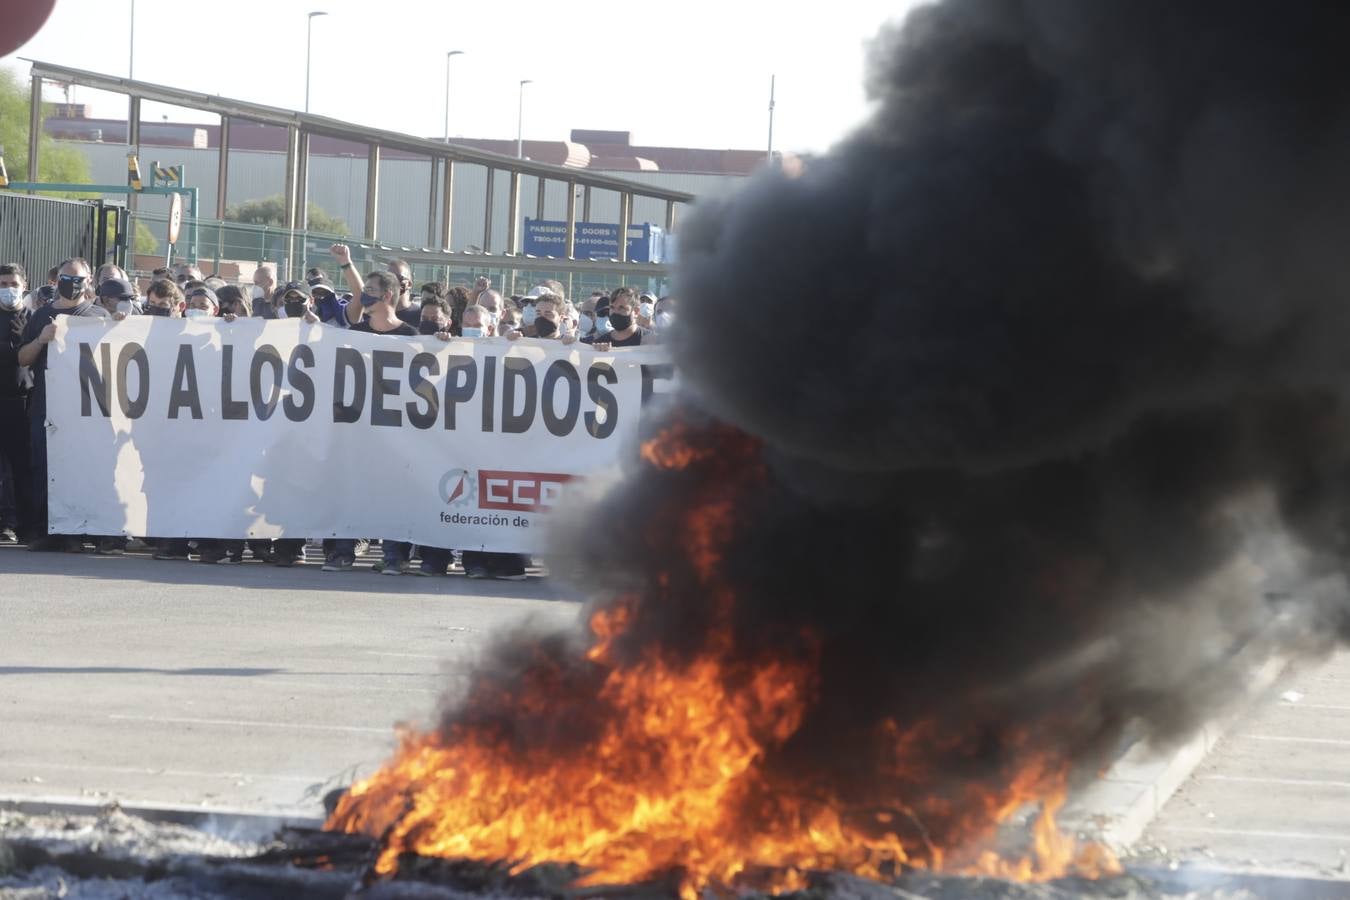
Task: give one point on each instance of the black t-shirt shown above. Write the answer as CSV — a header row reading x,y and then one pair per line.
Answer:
x,y
633,340
403,330
40,319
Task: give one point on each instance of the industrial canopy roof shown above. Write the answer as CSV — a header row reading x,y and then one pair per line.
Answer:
x,y
335,128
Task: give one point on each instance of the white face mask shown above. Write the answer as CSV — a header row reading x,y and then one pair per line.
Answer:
x,y
471,331
198,314
528,315
585,323
663,320
124,307
258,292
603,326
10,297
645,310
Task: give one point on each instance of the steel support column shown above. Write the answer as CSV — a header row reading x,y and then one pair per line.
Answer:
x,y
447,202
571,220
625,218
223,168
34,130
670,216
372,191
539,204
487,212
513,216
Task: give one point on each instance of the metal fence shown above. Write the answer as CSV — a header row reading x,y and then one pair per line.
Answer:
x,y
39,232
221,242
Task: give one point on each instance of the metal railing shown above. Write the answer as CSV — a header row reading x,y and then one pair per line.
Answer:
x,y
222,242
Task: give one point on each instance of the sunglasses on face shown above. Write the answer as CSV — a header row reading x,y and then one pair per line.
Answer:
x,y
75,279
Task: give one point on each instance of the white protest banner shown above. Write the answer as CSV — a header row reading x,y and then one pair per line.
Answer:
x,y
265,429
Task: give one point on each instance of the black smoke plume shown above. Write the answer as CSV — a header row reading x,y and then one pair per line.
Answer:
x,y
1044,371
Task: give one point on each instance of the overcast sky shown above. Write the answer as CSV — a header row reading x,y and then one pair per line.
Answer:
x,y
693,73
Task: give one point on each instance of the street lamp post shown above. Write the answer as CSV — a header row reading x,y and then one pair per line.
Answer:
x,y
448,55
131,44
520,120
309,41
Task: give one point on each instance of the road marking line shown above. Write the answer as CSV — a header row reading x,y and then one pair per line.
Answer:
x,y
1315,706
1279,738
362,689
1243,832
150,770
240,723
1295,782
405,655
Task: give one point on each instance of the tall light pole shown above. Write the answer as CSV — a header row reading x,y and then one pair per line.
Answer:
x,y
449,54
520,120
131,44
772,78
309,41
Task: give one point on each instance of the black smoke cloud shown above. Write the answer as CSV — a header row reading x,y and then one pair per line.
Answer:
x,y
1046,370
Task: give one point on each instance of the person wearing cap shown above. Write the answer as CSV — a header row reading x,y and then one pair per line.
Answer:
x,y
296,301
646,309
328,306
119,298
202,303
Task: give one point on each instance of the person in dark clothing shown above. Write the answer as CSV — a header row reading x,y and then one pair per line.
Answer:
x,y
377,296
74,298
16,490
624,330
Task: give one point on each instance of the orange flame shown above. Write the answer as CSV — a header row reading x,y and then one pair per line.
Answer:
x,y
673,784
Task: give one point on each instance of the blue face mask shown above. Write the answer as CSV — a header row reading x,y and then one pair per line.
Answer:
x,y
471,331
602,325
367,300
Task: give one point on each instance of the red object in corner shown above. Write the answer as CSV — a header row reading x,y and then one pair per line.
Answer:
x,y
22,19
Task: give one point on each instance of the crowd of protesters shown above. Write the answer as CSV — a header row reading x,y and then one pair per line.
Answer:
x,y
383,301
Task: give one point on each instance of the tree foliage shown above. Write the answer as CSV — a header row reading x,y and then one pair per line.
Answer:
x,y
272,211
56,163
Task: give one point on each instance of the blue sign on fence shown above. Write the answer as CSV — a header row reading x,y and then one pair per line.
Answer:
x,y
594,240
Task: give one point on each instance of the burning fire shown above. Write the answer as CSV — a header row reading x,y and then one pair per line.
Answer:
x,y
672,778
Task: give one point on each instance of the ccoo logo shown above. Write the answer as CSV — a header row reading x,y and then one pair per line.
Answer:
x,y
458,488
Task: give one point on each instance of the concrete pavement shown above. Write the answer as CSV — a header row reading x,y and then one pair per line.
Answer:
x,y
1274,793
243,686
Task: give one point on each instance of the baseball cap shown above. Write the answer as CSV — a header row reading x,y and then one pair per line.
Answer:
x,y
539,290
300,287
117,287
321,284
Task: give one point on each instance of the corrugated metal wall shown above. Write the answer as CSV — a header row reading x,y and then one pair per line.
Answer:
x,y
39,232
337,184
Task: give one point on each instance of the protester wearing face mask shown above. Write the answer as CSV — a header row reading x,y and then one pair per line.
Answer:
x,y
646,310
435,316
624,331
119,298
665,315
264,283
378,295
163,298
74,292
491,303
15,452
202,304
549,322
234,303
327,305
294,301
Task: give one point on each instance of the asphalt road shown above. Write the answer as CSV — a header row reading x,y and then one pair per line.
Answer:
x,y
243,687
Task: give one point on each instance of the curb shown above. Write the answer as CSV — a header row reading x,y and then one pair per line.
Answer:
x,y
237,823
1117,808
